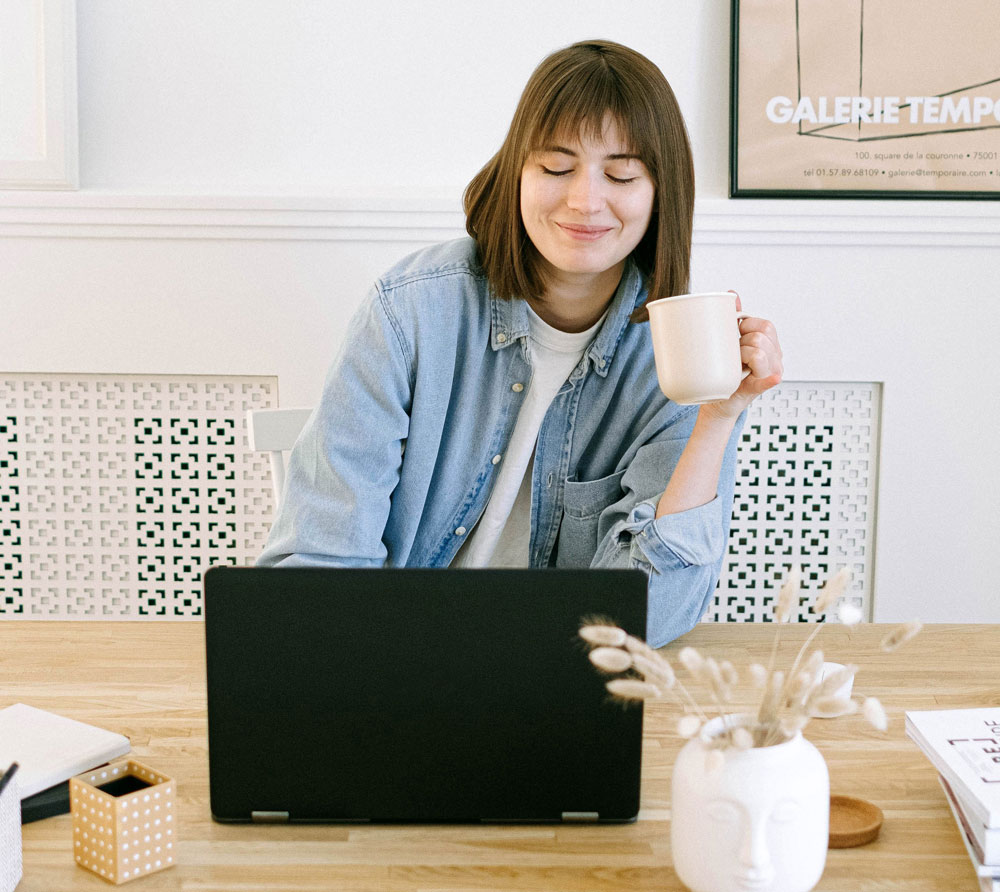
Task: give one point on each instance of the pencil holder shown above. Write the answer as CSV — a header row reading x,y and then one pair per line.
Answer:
x,y
124,825
10,837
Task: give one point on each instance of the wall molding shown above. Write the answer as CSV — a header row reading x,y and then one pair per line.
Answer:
x,y
718,221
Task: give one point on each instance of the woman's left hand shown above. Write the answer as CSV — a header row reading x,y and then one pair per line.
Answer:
x,y
761,354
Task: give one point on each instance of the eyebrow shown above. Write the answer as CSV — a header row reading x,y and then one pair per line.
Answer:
x,y
616,156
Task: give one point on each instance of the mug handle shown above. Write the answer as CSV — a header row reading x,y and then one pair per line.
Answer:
x,y
740,314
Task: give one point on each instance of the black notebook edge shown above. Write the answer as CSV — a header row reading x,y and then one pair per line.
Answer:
x,y
46,803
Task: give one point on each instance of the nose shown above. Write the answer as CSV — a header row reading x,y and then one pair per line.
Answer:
x,y
586,193
754,854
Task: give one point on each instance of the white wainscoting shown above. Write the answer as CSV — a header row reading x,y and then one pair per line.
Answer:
x,y
717,221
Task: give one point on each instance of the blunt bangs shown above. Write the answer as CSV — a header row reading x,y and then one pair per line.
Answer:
x,y
582,107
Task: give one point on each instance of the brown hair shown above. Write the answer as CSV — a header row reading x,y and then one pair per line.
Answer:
x,y
575,89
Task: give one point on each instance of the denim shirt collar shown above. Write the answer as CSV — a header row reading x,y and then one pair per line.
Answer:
x,y
510,320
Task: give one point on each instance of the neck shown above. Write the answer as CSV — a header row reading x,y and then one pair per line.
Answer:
x,y
573,302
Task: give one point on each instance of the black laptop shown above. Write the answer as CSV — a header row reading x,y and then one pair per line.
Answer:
x,y
417,695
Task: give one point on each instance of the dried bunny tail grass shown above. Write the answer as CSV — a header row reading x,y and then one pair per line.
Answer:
x,y
874,714
814,665
742,738
758,675
611,659
657,670
632,689
637,646
788,595
691,660
770,702
835,680
729,674
603,635
800,686
831,707
688,726
720,690
790,725
900,635
849,614
832,589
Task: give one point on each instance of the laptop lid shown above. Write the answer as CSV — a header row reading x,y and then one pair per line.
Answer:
x,y
417,695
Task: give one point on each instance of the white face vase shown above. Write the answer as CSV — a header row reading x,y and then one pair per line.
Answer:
x,y
757,823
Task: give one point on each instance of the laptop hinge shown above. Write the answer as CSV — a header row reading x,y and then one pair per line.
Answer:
x,y
578,816
269,817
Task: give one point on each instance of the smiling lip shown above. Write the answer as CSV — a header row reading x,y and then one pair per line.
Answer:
x,y
583,233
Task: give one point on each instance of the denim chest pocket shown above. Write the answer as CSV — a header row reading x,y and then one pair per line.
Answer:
x,y
588,498
583,503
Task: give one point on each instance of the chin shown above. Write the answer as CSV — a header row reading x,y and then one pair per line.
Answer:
x,y
577,262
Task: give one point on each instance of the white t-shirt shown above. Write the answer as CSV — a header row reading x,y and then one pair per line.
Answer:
x,y
501,537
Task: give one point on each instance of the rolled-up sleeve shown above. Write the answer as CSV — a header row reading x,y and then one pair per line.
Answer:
x,y
682,553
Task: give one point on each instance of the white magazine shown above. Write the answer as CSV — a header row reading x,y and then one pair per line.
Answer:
x,y
51,748
984,872
964,745
986,862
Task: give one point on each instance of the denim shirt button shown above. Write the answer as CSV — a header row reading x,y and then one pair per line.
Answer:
x,y
602,363
460,531
496,459
517,388
501,338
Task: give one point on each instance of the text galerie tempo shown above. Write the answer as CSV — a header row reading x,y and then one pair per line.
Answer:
x,y
883,110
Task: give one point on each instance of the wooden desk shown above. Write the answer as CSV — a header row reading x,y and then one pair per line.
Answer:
x,y
146,680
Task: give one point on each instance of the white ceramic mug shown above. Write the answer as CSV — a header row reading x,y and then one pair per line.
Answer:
x,y
696,343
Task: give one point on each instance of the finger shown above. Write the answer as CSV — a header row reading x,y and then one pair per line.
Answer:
x,y
758,361
762,340
761,326
755,323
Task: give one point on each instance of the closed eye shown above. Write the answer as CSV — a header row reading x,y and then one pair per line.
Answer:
x,y
557,173
621,180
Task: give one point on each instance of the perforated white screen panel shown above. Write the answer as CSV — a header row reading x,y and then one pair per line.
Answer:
x,y
806,487
118,492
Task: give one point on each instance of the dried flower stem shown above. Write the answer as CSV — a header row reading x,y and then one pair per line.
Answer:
x,y
636,646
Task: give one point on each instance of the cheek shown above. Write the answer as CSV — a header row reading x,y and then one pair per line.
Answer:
x,y
536,196
641,207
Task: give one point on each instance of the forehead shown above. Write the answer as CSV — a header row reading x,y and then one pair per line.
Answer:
x,y
604,131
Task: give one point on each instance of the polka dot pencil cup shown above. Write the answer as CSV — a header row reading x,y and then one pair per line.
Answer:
x,y
123,821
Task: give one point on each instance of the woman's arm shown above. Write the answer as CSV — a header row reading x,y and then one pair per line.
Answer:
x,y
695,480
679,534
346,463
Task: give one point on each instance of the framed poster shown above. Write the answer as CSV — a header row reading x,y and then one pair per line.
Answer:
x,y
848,99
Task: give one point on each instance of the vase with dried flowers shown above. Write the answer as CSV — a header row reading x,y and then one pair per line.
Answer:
x,y
750,795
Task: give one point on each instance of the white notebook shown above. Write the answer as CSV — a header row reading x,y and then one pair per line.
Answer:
x,y
51,748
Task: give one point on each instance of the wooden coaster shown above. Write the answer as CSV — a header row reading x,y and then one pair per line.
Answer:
x,y
853,822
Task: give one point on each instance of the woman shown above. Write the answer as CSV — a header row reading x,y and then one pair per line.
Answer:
x,y
496,401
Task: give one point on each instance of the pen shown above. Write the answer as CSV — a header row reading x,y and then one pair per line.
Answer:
x,y
7,775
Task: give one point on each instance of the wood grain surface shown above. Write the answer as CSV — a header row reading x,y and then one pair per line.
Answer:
x,y
146,680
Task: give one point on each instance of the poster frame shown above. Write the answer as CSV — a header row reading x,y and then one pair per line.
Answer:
x,y
736,141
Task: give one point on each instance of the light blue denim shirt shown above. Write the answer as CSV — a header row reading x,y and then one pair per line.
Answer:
x,y
398,460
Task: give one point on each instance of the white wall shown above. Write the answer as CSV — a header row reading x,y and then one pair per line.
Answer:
x,y
247,168
331,96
